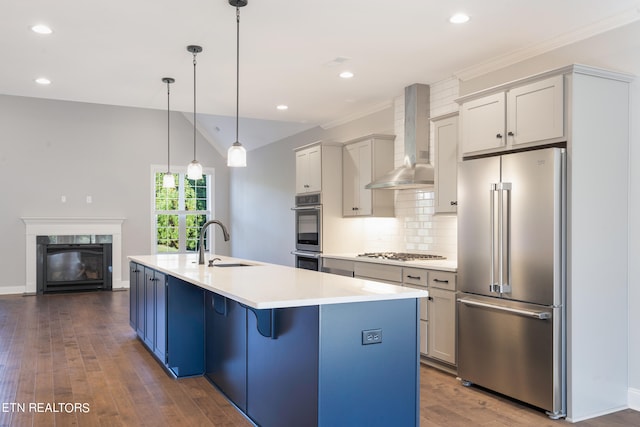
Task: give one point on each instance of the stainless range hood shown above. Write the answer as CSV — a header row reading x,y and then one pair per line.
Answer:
x,y
416,172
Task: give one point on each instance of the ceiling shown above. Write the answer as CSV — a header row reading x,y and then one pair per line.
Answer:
x,y
291,52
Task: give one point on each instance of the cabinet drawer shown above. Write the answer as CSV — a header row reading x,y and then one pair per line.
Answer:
x,y
337,264
442,280
369,270
414,276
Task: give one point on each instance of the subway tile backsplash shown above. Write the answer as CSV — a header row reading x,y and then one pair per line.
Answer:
x,y
416,228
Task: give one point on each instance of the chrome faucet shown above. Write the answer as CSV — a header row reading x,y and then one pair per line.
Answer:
x,y
225,234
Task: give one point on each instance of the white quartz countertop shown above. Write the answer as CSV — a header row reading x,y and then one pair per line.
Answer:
x,y
263,285
436,264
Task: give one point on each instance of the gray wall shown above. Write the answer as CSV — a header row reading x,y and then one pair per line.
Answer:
x,y
54,148
263,193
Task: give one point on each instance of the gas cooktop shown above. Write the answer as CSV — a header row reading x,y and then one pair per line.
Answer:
x,y
401,256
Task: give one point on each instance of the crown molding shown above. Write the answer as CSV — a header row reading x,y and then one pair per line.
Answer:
x,y
502,61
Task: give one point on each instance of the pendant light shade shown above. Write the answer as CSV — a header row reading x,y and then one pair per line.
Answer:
x,y
237,155
194,170
168,181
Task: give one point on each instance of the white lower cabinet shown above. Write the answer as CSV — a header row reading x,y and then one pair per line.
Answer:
x,y
442,325
442,316
424,337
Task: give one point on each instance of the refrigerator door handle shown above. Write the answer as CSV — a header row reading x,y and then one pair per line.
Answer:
x,y
500,286
542,315
493,286
505,227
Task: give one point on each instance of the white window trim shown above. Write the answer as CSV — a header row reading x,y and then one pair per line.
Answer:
x,y
152,207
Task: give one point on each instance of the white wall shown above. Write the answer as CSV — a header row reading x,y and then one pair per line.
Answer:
x,y
53,148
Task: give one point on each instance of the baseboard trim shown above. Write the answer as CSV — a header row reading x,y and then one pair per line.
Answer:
x,y
634,399
12,290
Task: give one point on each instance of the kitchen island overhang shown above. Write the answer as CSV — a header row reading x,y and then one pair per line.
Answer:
x,y
287,346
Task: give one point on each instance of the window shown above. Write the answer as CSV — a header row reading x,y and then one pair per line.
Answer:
x,y
180,213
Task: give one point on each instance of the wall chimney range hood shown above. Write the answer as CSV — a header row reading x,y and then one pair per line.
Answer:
x,y
416,172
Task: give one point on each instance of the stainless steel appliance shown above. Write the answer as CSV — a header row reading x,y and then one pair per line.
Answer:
x,y
308,218
512,276
401,256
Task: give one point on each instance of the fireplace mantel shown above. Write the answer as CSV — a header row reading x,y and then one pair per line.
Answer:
x,y
48,226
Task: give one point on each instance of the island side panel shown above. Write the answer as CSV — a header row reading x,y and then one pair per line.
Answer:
x,y
282,373
374,384
226,347
185,328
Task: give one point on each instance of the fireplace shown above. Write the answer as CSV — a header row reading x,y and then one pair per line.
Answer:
x,y
72,226
74,263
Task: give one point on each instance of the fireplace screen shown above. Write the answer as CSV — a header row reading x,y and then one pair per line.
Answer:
x,y
71,263
66,266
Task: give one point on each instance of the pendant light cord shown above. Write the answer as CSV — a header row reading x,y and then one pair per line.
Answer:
x,y
237,71
168,130
194,105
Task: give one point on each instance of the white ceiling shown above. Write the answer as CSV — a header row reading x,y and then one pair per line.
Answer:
x,y
116,52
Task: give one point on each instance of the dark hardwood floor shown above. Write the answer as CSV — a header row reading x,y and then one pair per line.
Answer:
x,y
73,360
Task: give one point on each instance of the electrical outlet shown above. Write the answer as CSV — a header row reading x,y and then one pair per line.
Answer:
x,y
371,336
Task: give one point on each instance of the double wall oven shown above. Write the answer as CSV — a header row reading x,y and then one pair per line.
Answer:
x,y
308,219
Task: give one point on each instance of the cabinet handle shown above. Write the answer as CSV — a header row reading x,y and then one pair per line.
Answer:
x,y
413,277
440,281
454,203
499,135
430,298
510,133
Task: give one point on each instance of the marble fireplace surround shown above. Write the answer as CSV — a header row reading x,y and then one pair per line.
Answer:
x,y
44,226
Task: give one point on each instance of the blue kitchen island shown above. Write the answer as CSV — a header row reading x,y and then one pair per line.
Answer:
x,y
289,347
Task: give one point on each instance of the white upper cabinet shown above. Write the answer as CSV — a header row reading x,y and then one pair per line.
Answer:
x,y
446,163
483,123
535,112
524,115
309,169
364,160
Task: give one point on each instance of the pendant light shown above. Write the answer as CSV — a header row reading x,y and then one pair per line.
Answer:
x,y
168,181
237,155
194,170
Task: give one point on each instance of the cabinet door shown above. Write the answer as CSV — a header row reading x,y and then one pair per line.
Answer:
x,y
141,291
356,173
483,124
134,270
160,332
309,170
149,307
314,177
446,164
424,337
350,179
301,171
535,112
442,325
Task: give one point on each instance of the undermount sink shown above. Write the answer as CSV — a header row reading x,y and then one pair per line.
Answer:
x,y
232,264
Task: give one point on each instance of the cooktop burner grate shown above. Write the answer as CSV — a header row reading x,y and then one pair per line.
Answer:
x,y
401,256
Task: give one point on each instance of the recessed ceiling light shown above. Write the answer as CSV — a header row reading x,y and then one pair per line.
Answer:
x,y
459,18
43,81
41,29
346,74
282,107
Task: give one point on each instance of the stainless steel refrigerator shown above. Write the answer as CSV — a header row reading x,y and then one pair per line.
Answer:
x,y
512,276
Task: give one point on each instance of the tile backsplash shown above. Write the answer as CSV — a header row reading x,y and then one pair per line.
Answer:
x,y
416,228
